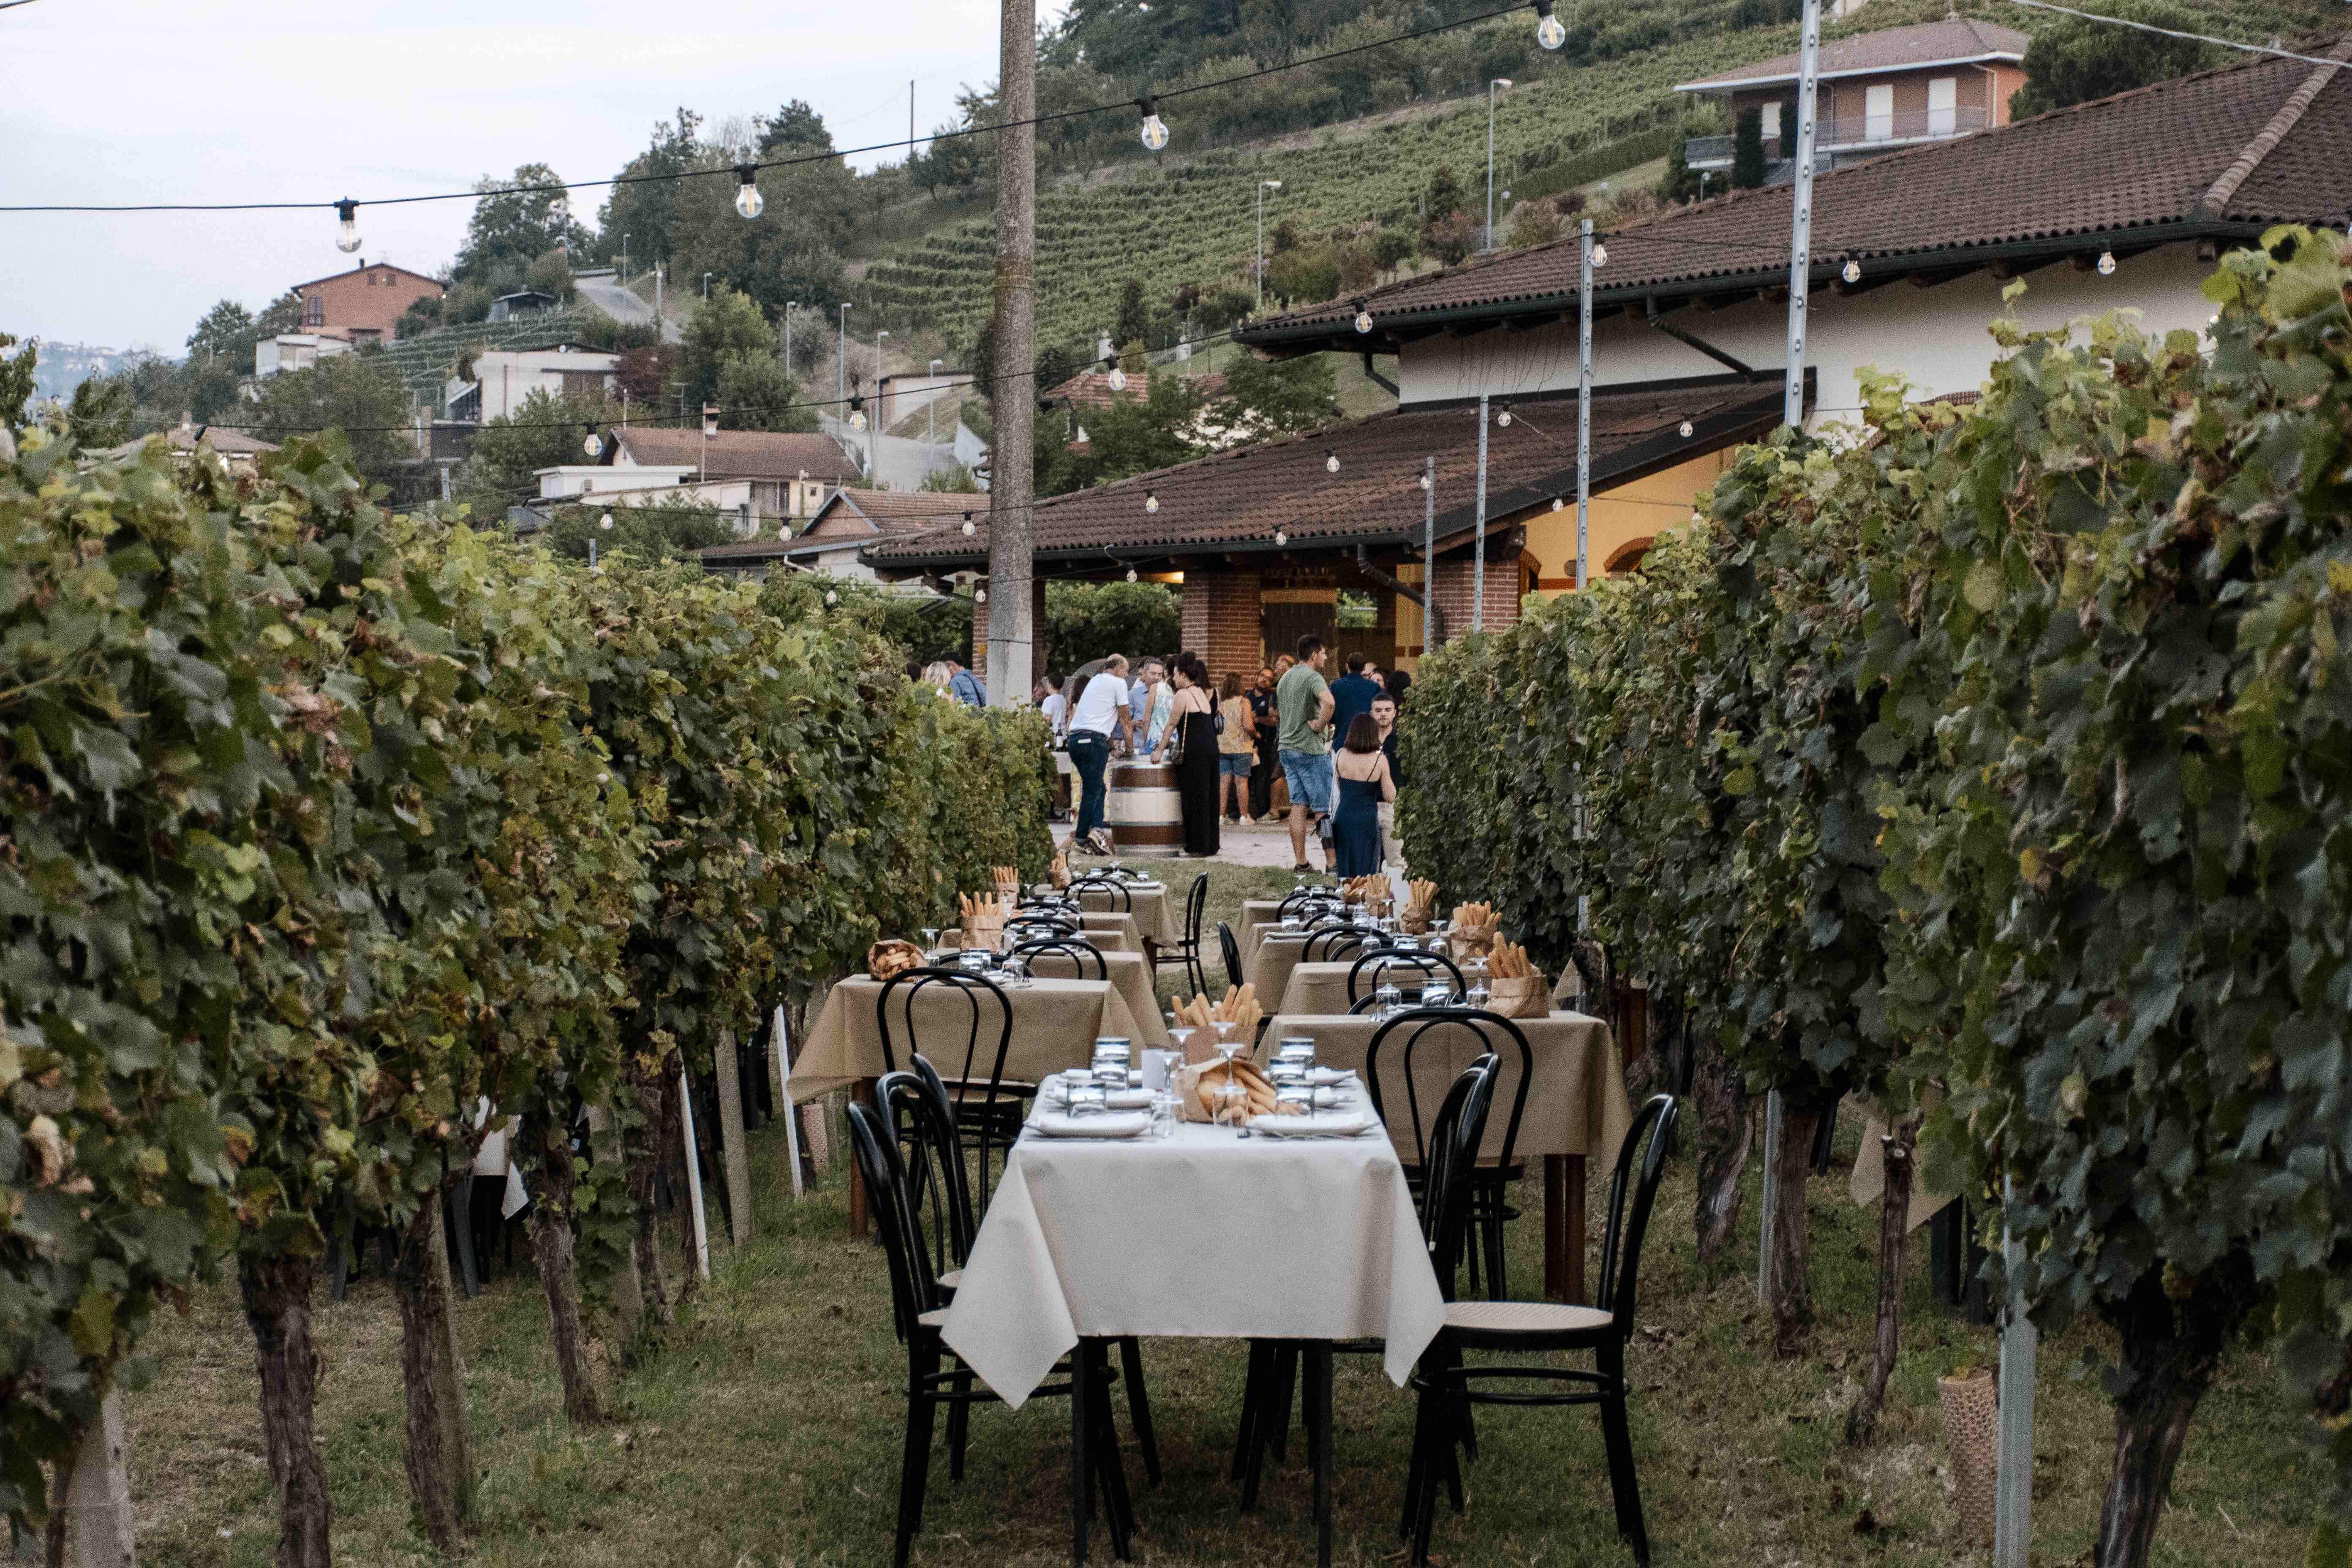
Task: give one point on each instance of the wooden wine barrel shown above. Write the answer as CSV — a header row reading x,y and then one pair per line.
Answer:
x,y
1145,814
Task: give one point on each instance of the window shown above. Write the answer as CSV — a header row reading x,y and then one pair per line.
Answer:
x,y
1943,105
314,310
1771,118
1878,112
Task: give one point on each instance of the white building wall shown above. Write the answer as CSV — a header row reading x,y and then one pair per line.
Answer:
x,y
1937,337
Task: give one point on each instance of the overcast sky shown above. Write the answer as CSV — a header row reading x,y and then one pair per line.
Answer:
x,y
203,101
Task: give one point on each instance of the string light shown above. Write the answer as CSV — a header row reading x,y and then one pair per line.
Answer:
x,y
1504,419
749,202
1130,573
1363,318
1600,254
1556,503
1117,375
1851,271
605,522
1687,428
1151,501
831,597
591,445
1550,33
969,530
347,236
1425,480
1330,461
1155,130
980,595
2106,264
1281,539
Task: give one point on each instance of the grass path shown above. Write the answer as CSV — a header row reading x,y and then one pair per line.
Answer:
x,y
766,1432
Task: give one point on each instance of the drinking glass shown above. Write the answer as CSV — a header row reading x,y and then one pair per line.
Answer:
x,y
1180,1035
1231,1096
1388,999
930,943
1436,993
1088,1099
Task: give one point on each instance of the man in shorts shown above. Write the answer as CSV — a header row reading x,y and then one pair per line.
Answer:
x,y
1303,701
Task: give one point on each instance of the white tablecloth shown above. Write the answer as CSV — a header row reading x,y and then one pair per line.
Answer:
x,y
1202,1235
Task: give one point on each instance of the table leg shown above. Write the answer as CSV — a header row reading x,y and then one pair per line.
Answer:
x,y
1564,1226
1319,1406
1082,1491
861,1223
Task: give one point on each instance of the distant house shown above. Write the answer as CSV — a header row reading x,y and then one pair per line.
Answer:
x,y
852,521
1877,91
294,351
1090,390
504,377
233,447
524,302
363,305
768,481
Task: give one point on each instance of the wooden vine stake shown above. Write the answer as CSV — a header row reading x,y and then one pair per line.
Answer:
x,y
693,1175
730,1140
780,1060
2013,1467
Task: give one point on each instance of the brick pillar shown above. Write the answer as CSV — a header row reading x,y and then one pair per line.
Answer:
x,y
1455,576
1222,621
1040,646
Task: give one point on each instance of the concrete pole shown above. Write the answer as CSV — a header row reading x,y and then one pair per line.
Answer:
x,y
693,1175
1014,487
1429,555
1772,1193
97,1504
841,370
2013,1466
1478,542
1584,405
1801,226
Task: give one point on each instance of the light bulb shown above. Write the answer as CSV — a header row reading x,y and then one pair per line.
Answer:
x,y
1364,320
1280,539
1130,573
1504,419
1155,130
980,595
1556,503
1687,428
1118,379
1549,32
858,419
347,237
591,445
749,202
1151,501
831,597
1424,481
1330,461
1851,271
969,530
2106,264
605,522
1600,255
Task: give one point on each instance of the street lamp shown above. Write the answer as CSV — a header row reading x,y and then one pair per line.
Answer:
x,y
1490,160
931,403
624,259
788,335
1263,187
1492,88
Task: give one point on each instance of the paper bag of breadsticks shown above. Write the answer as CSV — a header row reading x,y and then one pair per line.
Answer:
x,y
1201,1092
1515,987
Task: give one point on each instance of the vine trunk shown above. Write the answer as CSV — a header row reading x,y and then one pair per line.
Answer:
x,y
439,1451
2171,1351
550,1243
276,1293
1726,1130
1786,1288
1894,1234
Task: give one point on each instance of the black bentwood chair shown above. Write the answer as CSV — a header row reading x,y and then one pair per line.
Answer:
x,y
921,1117
1082,959
1377,966
1230,950
1115,895
1448,1384
988,1106
919,1307
1326,943
1187,952
1022,928
1492,1180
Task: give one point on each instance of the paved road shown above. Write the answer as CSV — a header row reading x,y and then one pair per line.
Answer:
x,y
622,305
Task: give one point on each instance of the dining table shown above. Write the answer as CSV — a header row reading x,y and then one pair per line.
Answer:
x,y
1577,1111
1097,1238
1055,1022
1269,963
1155,912
1130,974
1322,986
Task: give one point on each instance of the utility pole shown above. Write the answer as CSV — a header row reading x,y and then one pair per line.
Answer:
x,y
910,120
1263,187
1012,485
1583,402
1800,225
1478,543
1428,555
788,335
931,403
841,370
1492,87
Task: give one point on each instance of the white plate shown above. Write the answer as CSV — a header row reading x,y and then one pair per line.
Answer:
x,y
1323,1125
1110,1124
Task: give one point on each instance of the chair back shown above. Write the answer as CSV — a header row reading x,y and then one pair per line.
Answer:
x,y
914,1288
1231,950
1335,943
1371,970
1301,901
1455,1134
1115,896
915,1109
1641,1166
970,1005
1428,1028
1363,1004
1196,908
1074,952
1021,928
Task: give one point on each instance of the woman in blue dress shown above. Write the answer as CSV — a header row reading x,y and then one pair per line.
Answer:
x,y
1364,783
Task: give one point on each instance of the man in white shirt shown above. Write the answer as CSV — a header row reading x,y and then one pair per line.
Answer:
x,y
1054,706
1097,717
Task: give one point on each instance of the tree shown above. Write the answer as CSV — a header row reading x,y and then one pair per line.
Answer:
x,y
99,415
1275,397
516,220
1302,276
1442,194
955,479
1451,237
544,431
646,206
1678,183
16,381
1133,323
2073,61
358,393
1391,247
794,252
947,161
1087,621
225,331
756,394
1747,150
644,372
727,323
1131,436
669,529
793,131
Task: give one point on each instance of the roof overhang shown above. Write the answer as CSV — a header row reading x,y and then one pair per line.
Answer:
x,y
1989,57
1392,332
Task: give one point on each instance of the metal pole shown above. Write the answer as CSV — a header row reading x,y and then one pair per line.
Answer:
x,y
1801,226
788,335
841,370
2014,1467
1478,544
1490,166
1428,553
1260,242
1011,563
1772,1191
1583,405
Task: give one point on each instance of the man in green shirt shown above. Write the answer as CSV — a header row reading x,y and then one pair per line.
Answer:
x,y
1303,703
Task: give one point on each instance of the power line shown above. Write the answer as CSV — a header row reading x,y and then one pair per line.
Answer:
x,y
2171,33
738,170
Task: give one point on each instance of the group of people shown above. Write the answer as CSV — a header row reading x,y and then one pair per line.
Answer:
x,y
1239,744
949,677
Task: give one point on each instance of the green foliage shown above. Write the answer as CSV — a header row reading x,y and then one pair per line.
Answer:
x,y
1130,435
224,330
1275,397
954,480
1087,621
358,393
644,208
671,529
15,380
2073,61
755,394
1133,323
1747,150
793,131
100,413
512,228
545,431
728,323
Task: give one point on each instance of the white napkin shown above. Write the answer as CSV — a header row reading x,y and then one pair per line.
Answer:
x,y
1111,1124
1324,1124
1057,1094
1324,1078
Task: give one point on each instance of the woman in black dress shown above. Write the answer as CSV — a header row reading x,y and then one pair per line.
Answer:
x,y
1194,717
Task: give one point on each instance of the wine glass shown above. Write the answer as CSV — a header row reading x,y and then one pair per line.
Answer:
x,y
1180,1035
1230,1097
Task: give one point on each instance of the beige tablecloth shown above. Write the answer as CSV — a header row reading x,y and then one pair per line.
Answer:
x,y
1578,1105
1157,912
1109,929
1055,1025
1322,986
1205,1235
1257,914
1269,965
1130,976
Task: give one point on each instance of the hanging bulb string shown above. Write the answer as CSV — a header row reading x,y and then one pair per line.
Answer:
x,y
1127,106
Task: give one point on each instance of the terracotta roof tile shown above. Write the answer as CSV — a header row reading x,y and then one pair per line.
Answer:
x,y
2070,179
741,454
1891,49
1237,500
1091,388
